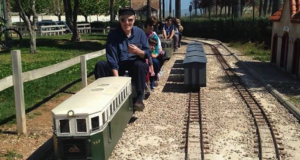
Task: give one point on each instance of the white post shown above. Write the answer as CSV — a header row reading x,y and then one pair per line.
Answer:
x,y
18,91
83,71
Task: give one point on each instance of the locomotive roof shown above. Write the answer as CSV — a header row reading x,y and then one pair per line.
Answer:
x,y
93,98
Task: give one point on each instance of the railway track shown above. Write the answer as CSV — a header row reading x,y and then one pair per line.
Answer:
x,y
267,136
195,144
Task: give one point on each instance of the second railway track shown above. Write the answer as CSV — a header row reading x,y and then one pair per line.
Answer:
x,y
267,140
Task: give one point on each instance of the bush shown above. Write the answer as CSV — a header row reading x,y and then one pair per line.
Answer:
x,y
229,30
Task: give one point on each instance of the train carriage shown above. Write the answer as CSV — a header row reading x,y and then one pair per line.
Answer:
x,y
89,124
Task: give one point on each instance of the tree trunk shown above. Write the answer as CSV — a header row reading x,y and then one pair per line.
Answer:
x,y
164,9
148,8
111,11
178,8
265,7
260,7
68,13
59,18
31,26
237,9
275,6
270,6
86,18
9,23
195,9
160,9
76,35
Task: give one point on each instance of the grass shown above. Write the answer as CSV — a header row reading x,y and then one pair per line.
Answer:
x,y
51,50
11,155
257,51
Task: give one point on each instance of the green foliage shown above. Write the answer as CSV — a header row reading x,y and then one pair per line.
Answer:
x,y
117,5
90,7
11,155
228,30
41,6
55,7
256,50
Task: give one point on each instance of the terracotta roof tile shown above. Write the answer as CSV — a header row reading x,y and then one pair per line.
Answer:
x,y
294,12
276,16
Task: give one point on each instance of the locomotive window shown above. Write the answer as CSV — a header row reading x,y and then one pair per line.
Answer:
x,y
95,123
114,105
119,99
103,118
64,126
81,125
111,109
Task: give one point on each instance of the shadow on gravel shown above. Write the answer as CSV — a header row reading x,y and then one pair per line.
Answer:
x,y
175,82
44,152
132,120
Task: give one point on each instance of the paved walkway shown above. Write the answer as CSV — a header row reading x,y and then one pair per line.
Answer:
x,y
280,80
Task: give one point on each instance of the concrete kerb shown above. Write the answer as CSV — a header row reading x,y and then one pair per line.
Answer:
x,y
291,107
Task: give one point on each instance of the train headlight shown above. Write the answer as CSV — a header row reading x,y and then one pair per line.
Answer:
x,y
70,113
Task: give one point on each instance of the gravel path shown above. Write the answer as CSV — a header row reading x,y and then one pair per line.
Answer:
x,y
157,132
289,128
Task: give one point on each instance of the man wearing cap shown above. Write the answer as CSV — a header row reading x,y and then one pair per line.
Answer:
x,y
126,50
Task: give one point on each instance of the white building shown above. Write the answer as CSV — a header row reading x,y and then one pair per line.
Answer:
x,y
286,37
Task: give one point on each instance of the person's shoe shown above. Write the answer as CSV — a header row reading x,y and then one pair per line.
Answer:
x,y
138,106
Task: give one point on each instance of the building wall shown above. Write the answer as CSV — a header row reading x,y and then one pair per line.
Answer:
x,y
294,33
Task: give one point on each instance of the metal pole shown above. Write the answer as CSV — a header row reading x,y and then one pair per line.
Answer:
x,y
130,4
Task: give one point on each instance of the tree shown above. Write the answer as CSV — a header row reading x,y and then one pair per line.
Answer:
x,y
148,8
71,12
41,6
30,25
89,7
56,7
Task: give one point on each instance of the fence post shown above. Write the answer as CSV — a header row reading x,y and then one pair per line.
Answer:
x,y
83,71
18,91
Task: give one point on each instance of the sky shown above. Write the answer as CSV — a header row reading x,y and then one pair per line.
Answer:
x,y
184,7
184,4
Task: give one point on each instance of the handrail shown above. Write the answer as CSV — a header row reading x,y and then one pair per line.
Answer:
x,y
45,71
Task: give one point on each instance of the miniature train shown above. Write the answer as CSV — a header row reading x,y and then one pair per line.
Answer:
x,y
89,124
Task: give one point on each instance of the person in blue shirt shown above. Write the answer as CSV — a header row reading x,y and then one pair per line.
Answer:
x,y
169,30
127,49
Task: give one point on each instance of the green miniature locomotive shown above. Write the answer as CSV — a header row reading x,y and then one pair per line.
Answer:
x,y
89,124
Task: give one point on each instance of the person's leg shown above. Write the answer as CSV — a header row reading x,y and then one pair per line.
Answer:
x,y
156,66
102,69
175,39
179,39
138,71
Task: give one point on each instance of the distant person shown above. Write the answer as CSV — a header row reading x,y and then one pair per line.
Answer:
x,y
127,49
169,32
179,27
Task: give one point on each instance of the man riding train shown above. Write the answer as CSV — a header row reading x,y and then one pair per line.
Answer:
x,y
127,49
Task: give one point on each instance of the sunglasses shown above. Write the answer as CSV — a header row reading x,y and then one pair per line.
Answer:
x,y
128,20
152,25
